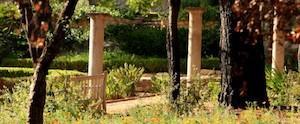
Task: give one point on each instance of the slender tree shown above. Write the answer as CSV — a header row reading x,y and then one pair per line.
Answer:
x,y
36,25
242,54
172,46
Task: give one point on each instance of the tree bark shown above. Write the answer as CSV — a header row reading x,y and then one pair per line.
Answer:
x,y
38,87
225,97
172,46
242,55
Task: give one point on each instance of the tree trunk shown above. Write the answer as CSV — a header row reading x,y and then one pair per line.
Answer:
x,y
38,87
172,46
242,56
225,97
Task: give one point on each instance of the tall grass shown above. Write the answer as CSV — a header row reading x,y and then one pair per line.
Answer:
x,y
283,88
198,104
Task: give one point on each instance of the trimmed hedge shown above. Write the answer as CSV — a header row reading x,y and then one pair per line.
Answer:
x,y
15,72
12,72
151,41
151,65
79,65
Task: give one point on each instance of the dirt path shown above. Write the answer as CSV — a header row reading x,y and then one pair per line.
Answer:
x,y
124,106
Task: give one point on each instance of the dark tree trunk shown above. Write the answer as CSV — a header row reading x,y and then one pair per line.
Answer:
x,y
173,49
242,56
226,95
38,87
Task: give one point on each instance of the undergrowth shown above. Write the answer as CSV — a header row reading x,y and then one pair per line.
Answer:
x,y
197,103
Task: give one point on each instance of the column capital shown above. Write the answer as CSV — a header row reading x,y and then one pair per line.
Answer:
x,y
195,10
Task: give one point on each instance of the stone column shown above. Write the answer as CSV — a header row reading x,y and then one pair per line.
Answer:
x,y
96,50
194,42
96,43
278,47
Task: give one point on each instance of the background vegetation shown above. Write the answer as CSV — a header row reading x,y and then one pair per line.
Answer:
x,y
120,37
143,49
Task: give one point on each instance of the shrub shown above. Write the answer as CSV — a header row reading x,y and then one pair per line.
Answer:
x,y
283,89
194,95
137,39
160,83
210,63
12,43
63,102
121,82
151,65
150,41
13,72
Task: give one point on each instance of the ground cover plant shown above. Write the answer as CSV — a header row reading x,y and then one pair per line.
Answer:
x,y
198,104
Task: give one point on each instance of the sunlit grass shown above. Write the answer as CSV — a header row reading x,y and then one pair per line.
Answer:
x,y
66,107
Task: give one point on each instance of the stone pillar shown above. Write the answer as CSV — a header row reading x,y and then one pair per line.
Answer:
x,y
194,42
96,43
96,50
278,47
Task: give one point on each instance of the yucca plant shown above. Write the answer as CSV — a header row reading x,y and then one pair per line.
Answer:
x,y
121,82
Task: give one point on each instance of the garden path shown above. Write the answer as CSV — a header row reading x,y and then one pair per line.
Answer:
x,y
123,106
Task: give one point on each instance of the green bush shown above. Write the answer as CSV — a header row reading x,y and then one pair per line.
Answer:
x,y
211,63
12,42
64,102
151,65
13,72
283,89
150,41
195,94
121,82
25,63
192,95
160,83
79,65
139,40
